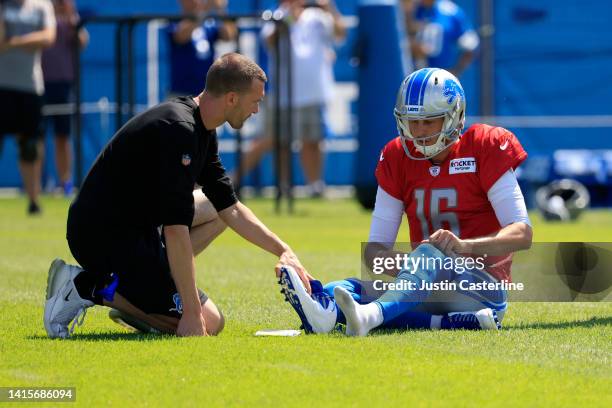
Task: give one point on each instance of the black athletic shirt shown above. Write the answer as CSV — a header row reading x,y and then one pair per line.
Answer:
x,y
145,176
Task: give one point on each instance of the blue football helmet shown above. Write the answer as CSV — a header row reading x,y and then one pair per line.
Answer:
x,y
430,93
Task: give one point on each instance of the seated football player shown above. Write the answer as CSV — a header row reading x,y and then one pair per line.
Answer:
x,y
462,200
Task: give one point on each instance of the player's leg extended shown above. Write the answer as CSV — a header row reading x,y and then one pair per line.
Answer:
x,y
471,309
408,320
408,309
392,304
206,224
352,285
412,319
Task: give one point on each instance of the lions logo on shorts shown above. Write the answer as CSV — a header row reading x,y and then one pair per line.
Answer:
x,y
176,298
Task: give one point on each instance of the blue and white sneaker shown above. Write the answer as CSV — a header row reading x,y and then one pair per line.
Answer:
x,y
317,312
485,319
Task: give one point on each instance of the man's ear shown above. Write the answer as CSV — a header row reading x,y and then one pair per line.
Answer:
x,y
231,99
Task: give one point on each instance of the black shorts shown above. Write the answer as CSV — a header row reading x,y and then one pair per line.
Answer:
x,y
137,256
59,93
21,113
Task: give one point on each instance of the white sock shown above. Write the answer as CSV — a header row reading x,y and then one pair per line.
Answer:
x,y
360,319
372,314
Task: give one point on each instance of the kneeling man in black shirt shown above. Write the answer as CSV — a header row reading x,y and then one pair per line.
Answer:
x,y
137,222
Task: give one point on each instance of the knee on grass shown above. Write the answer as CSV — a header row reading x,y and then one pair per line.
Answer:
x,y
215,321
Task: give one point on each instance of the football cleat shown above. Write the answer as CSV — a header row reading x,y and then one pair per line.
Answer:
x,y
63,304
317,312
485,319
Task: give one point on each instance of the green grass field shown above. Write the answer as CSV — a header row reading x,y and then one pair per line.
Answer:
x,y
554,354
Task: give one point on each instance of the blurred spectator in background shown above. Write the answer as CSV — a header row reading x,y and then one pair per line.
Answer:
x,y
192,41
26,27
58,71
441,35
313,27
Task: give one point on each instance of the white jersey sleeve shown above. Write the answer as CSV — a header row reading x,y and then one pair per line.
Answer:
x,y
386,218
507,200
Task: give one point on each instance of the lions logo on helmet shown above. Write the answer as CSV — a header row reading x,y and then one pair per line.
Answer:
x,y
451,90
430,93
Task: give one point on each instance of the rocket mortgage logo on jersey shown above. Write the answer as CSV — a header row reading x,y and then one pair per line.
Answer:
x,y
462,165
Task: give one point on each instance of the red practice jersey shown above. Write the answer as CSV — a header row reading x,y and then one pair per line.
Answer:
x,y
453,194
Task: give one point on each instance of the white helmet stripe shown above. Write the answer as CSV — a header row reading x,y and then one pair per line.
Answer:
x,y
424,86
417,83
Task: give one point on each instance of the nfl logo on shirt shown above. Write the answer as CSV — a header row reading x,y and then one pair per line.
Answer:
x,y
186,160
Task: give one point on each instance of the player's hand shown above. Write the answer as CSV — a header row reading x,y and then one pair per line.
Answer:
x,y
290,259
447,242
191,325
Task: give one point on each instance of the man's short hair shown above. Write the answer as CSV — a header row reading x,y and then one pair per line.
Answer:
x,y
232,72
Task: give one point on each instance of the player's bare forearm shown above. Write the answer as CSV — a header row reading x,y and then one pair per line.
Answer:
x,y
242,220
182,266
34,40
246,224
511,238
